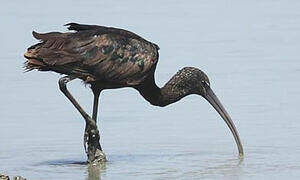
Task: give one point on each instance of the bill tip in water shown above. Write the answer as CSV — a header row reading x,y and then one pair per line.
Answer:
x,y
241,155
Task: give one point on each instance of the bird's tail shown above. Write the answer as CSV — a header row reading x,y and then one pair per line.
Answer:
x,y
48,56
34,61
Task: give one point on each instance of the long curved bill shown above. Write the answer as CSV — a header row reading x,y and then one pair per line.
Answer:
x,y
214,101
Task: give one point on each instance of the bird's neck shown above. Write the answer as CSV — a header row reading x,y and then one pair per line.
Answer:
x,y
164,96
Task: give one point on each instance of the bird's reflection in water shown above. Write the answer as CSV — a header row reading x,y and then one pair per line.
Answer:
x,y
94,171
229,168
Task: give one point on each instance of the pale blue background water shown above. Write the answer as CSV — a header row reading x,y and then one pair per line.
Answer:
x,y
249,49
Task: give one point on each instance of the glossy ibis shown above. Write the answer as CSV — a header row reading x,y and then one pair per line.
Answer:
x,y
108,58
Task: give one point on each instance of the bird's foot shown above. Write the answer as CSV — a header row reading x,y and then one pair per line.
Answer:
x,y
92,146
99,158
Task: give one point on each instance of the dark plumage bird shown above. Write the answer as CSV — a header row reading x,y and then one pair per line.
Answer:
x,y
108,58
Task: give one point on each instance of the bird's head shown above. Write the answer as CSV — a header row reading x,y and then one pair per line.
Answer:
x,y
191,80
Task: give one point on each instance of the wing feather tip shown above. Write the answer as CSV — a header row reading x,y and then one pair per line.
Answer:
x,y
72,25
37,35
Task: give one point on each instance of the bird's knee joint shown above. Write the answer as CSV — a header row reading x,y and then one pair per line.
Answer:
x,y
62,83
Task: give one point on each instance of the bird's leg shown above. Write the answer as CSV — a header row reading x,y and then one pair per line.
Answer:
x,y
94,151
91,139
96,92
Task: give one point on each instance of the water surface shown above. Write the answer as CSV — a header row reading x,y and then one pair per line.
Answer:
x,y
249,49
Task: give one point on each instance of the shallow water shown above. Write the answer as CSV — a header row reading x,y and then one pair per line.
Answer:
x,y
250,50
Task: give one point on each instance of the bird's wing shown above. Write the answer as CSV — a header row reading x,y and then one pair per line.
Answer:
x,y
106,30
109,56
57,48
